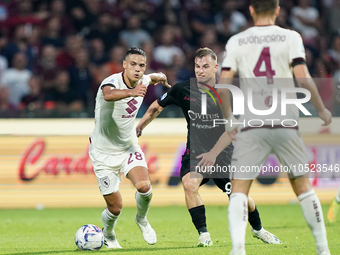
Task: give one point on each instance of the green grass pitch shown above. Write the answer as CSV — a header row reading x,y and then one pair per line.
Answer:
x,y
51,231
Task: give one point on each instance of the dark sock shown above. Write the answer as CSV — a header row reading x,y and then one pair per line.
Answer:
x,y
198,218
254,219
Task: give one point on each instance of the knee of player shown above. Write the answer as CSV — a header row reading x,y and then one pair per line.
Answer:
x,y
301,185
143,186
190,187
144,189
115,209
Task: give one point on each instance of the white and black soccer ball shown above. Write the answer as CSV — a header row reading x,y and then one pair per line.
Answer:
x,y
89,237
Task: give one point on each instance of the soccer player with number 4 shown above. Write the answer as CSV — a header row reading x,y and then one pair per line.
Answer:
x,y
114,145
266,57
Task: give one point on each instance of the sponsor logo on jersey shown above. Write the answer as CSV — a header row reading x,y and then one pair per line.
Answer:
x,y
132,106
199,126
203,117
128,116
189,99
164,96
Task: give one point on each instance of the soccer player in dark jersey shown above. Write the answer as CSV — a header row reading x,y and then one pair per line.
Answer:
x,y
202,137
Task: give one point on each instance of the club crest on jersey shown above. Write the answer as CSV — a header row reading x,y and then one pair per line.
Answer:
x,y
164,96
105,181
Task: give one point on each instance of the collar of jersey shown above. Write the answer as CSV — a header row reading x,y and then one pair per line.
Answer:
x,y
269,25
196,86
125,82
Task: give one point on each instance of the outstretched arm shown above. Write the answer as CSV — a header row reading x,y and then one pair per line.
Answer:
x,y
112,94
209,158
226,77
153,111
159,78
305,81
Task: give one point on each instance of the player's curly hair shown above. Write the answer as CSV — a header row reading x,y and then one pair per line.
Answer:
x,y
202,52
136,51
264,6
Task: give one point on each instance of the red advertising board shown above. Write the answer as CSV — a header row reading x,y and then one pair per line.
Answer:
x,y
57,171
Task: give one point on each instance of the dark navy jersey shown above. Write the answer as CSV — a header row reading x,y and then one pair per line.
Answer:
x,y
202,133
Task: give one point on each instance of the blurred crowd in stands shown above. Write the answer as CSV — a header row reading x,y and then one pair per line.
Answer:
x,y
55,53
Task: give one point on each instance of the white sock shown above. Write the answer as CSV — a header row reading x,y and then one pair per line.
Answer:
x,y
238,219
337,198
143,201
312,212
109,220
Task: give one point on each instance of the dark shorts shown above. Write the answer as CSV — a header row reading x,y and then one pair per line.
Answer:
x,y
221,179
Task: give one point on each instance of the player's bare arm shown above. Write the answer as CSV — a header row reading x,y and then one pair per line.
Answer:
x,y
112,94
226,77
305,81
159,78
209,158
153,111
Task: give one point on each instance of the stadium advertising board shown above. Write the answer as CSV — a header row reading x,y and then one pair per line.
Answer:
x,y
57,171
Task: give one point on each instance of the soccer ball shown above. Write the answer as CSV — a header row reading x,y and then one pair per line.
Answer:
x,y
89,237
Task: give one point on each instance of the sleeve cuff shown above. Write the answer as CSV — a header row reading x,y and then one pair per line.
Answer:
x,y
298,61
105,85
226,68
160,102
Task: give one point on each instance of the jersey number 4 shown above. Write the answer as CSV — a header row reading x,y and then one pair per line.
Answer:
x,y
269,72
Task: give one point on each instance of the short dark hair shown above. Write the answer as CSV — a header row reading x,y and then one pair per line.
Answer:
x,y
264,6
136,51
202,52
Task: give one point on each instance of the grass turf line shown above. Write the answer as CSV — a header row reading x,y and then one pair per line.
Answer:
x,y
51,231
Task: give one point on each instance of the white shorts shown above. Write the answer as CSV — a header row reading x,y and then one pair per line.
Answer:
x,y
108,168
253,147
